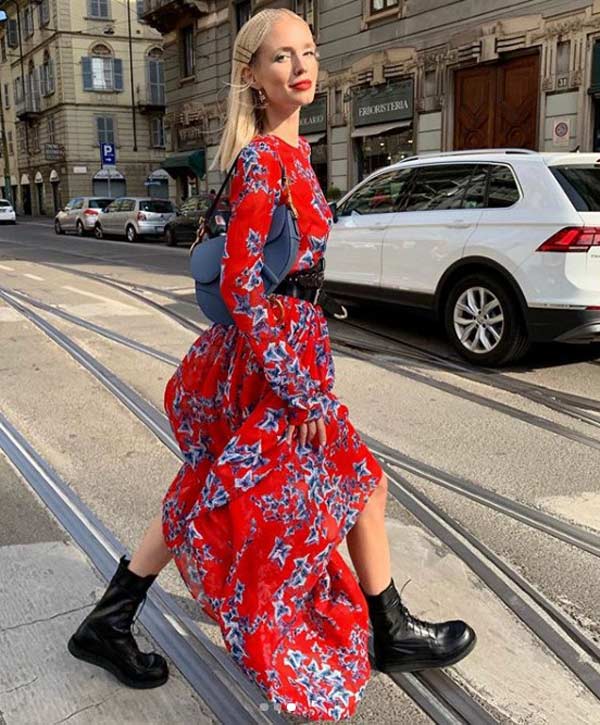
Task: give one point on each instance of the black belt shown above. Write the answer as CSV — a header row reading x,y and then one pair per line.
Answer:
x,y
305,285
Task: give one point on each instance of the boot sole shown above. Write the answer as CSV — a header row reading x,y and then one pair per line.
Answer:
x,y
99,661
426,664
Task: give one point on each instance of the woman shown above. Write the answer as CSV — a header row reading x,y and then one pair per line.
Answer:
x,y
275,476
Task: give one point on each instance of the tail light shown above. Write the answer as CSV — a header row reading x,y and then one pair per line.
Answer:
x,y
572,239
141,217
90,212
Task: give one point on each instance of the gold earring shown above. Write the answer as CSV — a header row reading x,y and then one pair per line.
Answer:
x,y
262,99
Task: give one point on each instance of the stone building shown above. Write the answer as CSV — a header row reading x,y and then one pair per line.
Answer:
x,y
78,74
398,77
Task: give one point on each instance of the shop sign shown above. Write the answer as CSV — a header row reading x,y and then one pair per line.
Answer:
x,y
313,118
54,152
382,104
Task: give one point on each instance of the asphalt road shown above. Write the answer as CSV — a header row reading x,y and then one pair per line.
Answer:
x,y
493,514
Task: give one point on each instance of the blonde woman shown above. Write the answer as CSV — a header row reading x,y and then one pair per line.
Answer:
x,y
275,476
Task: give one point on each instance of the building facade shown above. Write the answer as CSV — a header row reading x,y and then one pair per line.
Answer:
x,y
397,78
77,75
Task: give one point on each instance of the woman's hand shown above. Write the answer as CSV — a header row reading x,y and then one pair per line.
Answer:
x,y
307,432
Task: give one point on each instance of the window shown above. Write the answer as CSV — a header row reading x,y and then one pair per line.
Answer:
x,y
503,189
563,58
28,21
106,129
127,205
77,203
6,95
3,55
439,187
307,9
11,148
34,138
157,206
187,51
99,203
156,78
474,197
47,78
580,183
51,130
44,8
101,72
157,128
243,11
18,90
139,6
32,89
99,8
12,35
378,196
21,138
378,6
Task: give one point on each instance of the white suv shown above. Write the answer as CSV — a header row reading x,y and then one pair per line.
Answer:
x,y
502,245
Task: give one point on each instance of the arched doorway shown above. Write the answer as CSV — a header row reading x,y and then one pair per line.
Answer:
x,y
55,182
26,195
157,184
39,190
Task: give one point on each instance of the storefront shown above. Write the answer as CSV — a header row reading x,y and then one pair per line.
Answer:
x,y
313,126
187,168
383,125
157,184
109,182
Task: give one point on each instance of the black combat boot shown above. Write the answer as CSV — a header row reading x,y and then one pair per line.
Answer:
x,y
104,637
403,643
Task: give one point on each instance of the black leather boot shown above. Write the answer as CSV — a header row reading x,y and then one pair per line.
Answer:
x,y
403,643
104,637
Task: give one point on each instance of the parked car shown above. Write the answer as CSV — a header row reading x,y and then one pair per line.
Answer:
x,y
134,217
184,226
7,212
80,214
502,245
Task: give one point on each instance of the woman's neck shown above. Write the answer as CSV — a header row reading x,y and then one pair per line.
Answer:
x,y
286,129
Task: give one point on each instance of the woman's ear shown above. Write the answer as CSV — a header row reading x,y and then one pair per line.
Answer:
x,y
249,77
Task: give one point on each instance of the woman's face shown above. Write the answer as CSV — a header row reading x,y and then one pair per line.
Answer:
x,y
286,65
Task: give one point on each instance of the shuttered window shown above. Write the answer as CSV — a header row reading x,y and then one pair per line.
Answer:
x,y
102,74
106,129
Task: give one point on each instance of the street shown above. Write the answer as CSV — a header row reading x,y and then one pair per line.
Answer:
x,y
493,511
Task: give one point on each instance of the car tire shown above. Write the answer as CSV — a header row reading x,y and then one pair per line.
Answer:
x,y
79,229
483,321
57,227
170,237
98,233
130,234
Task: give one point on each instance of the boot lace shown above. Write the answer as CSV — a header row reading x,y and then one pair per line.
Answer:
x,y
420,627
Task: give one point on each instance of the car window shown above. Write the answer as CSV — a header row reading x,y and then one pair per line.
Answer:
x,y
78,203
127,205
503,190
439,187
378,196
4,203
99,203
114,206
581,184
474,197
157,206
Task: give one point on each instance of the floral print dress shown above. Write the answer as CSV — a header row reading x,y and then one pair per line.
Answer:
x,y
253,522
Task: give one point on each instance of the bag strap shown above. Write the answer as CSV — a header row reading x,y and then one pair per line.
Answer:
x,y
212,208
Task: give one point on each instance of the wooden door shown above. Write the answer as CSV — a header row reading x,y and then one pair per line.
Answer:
x,y
496,106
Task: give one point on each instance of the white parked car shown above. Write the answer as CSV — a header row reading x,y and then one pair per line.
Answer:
x,y
7,212
80,215
502,245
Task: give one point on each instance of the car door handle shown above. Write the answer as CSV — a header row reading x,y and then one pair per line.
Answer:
x,y
459,224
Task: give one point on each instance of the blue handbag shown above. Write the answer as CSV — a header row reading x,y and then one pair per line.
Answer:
x,y
280,252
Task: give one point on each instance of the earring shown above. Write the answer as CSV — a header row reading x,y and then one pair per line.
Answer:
x,y
262,99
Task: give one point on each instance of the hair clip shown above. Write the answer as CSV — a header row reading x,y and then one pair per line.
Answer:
x,y
242,55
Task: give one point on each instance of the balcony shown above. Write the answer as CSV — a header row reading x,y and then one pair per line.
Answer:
x,y
152,100
29,109
165,15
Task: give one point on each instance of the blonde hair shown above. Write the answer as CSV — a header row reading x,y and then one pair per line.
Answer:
x,y
245,115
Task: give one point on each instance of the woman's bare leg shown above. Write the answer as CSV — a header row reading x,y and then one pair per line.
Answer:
x,y
152,555
368,543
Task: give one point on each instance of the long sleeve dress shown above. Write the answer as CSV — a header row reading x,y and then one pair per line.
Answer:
x,y
253,522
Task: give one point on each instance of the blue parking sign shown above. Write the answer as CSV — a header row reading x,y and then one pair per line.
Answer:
x,y
108,154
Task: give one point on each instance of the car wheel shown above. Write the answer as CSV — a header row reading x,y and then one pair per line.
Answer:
x,y
483,321
57,227
80,229
98,233
131,234
170,238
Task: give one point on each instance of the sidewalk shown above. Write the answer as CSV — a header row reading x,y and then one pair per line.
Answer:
x,y
46,587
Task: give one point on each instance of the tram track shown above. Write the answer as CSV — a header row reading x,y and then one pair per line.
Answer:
x,y
463,703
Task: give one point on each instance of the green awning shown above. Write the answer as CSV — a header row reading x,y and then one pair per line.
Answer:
x,y
595,84
180,163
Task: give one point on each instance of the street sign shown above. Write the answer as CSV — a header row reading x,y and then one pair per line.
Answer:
x,y
108,154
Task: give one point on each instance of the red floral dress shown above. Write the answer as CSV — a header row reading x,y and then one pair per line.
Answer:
x,y
254,523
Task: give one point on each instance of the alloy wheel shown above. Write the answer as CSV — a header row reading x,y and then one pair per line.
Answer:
x,y
478,320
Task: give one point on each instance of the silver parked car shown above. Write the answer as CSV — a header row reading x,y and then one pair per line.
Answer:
x,y
134,217
80,214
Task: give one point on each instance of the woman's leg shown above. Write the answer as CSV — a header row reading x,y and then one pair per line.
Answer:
x,y
368,544
152,555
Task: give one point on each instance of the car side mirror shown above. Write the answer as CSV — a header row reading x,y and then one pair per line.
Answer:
x,y
333,207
